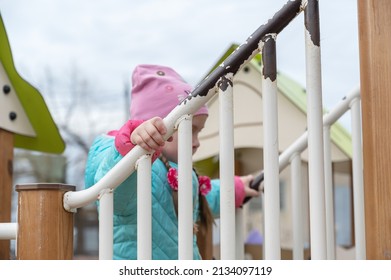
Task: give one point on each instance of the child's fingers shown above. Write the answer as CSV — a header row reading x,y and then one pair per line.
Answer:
x,y
159,125
247,179
150,139
149,135
248,190
252,192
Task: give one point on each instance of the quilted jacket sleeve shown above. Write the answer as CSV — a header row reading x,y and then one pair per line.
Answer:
x,y
102,157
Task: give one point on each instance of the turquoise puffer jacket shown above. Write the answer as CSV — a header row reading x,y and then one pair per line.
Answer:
x,y
101,158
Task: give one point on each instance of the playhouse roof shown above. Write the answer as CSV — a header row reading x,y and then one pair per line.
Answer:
x,y
31,122
248,115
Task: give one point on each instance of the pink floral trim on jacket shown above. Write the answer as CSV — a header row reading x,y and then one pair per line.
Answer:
x,y
204,182
206,186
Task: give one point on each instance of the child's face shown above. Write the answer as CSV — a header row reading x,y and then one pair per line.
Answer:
x,y
170,149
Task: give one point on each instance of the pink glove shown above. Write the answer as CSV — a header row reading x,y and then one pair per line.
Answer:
x,y
239,192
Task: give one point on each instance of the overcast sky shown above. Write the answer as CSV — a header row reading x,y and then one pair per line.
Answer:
x,y
106,39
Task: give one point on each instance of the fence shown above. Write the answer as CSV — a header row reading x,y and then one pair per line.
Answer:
x,y
220,81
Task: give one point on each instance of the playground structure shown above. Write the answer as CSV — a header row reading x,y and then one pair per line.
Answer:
x,y
25,122
373,232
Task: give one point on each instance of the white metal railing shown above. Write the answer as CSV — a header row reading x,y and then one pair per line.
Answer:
x,y
315,135
227,205
317,139
220,79
320,204
270,154
144,210
291,156
103,189
185,189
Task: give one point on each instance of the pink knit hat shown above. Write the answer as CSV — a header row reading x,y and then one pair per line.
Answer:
x,y
156,90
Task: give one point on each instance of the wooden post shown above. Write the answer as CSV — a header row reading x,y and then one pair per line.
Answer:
x,y
45,229
375,70
6,164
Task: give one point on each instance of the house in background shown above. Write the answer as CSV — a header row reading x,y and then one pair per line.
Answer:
x,y
248,141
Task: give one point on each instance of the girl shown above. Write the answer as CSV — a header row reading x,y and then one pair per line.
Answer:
x,y
156,90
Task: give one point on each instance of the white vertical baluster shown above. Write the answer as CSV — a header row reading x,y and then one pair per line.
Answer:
x,y
106,209
239,233
358,181
227,192
270,153
297,208
144,208
329,195
185,189
315,133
